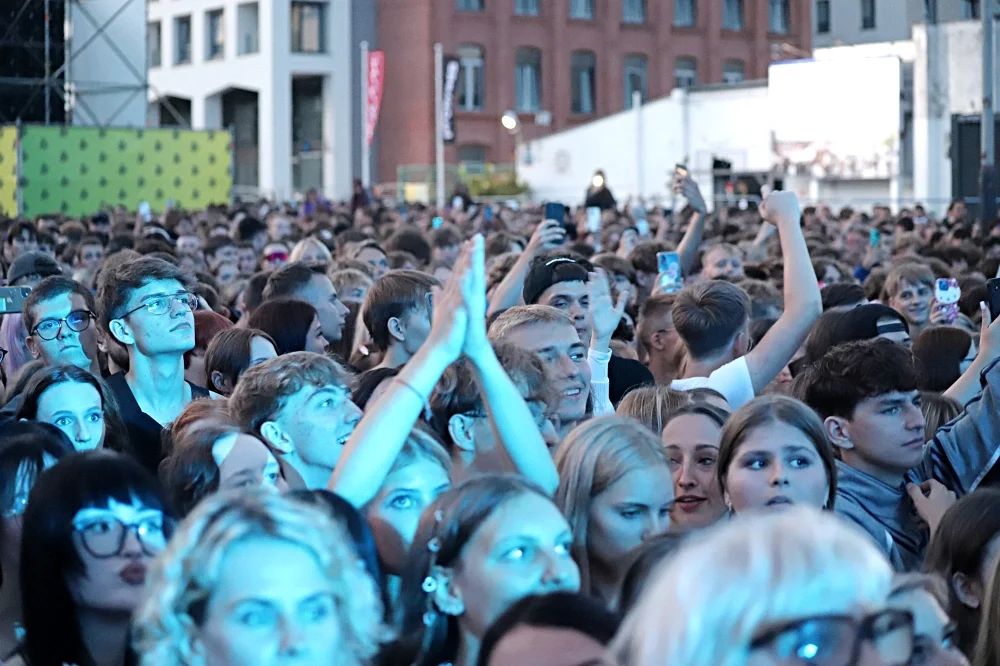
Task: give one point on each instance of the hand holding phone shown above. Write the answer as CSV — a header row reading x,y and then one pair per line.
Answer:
x,y
946,296
669,279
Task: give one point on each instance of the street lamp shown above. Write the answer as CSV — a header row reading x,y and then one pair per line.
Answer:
x,y
510,122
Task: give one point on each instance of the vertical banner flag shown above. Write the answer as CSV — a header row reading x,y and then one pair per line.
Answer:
x,y
451,71
376,77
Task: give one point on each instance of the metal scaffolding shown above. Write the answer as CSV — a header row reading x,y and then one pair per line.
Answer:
x,y
58,54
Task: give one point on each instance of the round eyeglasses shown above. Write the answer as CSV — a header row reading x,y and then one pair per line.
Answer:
x,y
77,320
105,537
160,305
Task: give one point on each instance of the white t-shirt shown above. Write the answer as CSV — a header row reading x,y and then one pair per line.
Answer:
x,y
731,380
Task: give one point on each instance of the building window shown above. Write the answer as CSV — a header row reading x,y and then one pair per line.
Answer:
x,y
182,40
581,9
308,23
469,5
472,154
685,13
823,16
779,17
634,11
635,77
153,44
528,79
584,79
867,14
247,18
471,89
685,72
215,36
527,7
733,71
970,9
732,14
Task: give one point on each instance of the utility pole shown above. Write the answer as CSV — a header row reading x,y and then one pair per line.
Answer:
x,y
988,174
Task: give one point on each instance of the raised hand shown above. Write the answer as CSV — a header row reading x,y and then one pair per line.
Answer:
x,y
548,234
451,318
686,187
781,208
474,296
604,313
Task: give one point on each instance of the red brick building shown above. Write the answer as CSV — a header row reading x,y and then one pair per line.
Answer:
x,y
575,59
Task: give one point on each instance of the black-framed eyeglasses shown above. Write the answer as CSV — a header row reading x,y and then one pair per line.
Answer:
x,y
161,305
77,320
105,537
835,640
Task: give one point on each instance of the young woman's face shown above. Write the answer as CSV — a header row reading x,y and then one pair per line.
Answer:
x,y
523,548
315,342
117,543
633,509
913,301
692,445
77,409
935,639
395,511
375,258
774,467
244,462
261,614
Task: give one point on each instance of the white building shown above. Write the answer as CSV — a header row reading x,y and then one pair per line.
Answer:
x,y
278,73
849,22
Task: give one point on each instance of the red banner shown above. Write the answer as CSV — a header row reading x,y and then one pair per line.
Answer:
x,y
376,78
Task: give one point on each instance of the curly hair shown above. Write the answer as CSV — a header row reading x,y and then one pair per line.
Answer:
x,y
181,582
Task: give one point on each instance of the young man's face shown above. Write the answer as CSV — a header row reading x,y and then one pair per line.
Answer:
x,y
321,294
279,228
189,243
318,422
247,260
573,298
90,256
887,431
77,348
227,254
26,242
559,347
275,256
913,301
169,333
719,262
375,258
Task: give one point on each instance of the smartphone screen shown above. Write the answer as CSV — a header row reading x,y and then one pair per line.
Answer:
x,y
874,238
681,170
12,299
669,279
555,211
993,297
593,219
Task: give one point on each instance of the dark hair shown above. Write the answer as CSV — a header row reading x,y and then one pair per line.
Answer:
x,y
841,293
48,289
189,472
17,230
49,557
357,527
249,227
874,283
412,241
643,255
115,434
287,280
229,354
709,314
286,320
959,546
118,282
455,393
940,350
855,371
836,327
446,236
393,295
207,326
577,612
253,293
216,243
367,382
462,510
645,560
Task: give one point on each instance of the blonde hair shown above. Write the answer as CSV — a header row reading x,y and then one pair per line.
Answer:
x,y
704,604
652,405
595,455
526,315
345,279
183,578
311,243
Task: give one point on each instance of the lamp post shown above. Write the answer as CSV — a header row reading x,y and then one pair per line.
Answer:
x,y
512,124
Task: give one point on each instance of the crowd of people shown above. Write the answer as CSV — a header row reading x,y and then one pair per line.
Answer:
x,y
372,434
